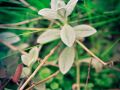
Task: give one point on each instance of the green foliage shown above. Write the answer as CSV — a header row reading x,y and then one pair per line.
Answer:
x,y
44,73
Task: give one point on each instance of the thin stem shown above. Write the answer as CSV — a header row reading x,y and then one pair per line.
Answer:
x,y
42,81
22,22
28,5
14,48
38,68
78,75
21,28
89,52
88,76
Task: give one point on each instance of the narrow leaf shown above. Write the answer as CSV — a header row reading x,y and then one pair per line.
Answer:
x,y
9,37
66,59
70,6
67,35
48,36
48,13
84,31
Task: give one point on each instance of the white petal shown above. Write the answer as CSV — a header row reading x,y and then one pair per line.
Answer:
x,y
60,4
66,59
48,13
61,13
84,31
34,52
48,36
70,6
25,72
54,4
67,35
9,37
25,59
31,57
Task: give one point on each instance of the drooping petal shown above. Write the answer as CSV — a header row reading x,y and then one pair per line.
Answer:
x,y
48,36
9,37
31,57
34,52
67,35
25,59
84,31
48,13
66,59
70,6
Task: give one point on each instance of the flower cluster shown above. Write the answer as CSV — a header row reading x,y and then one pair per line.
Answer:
x,y
67,33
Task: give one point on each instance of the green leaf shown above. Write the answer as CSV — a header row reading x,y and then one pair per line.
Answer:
x,y
84,31
54,86
9,37
44,73
66,59
67,35
48,36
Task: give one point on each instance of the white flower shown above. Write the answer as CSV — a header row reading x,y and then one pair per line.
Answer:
x,y
68,34
59,10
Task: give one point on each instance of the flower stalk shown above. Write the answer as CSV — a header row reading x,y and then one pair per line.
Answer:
x,y
91,53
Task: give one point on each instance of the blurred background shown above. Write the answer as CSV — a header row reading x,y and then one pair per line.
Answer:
x,y
21,18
